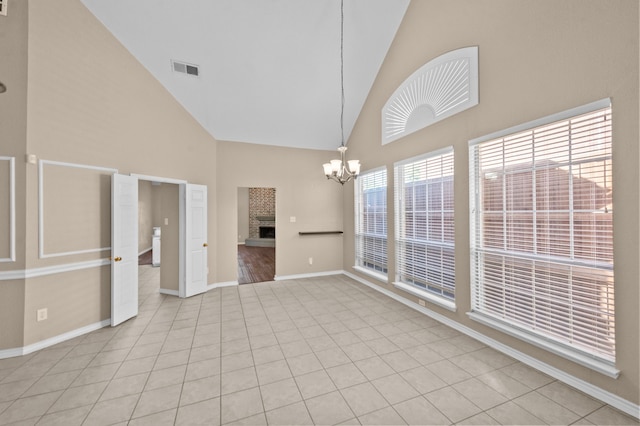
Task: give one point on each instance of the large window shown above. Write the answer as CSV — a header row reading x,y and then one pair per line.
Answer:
x,y
541,230
424,227
371,221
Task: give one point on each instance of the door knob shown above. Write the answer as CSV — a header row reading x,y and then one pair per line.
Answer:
x,y
117,259
205,245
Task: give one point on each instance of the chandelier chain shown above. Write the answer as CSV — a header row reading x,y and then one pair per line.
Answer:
x,y
342,72
341,170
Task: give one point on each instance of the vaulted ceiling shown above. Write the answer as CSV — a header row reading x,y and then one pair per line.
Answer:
x,y
268,70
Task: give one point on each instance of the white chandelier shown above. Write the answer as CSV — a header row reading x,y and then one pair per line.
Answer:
x,y
342,171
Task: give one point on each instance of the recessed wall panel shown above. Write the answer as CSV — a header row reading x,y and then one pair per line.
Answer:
x,y
75,209
7,209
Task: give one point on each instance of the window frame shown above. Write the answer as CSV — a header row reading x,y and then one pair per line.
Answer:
x,y
360,266
399,236
590,359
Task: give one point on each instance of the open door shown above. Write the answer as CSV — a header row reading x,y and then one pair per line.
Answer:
x,y
193,247
124,248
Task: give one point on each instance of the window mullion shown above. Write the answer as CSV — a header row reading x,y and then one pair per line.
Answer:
x,y
534,192
534,228
570,177
504,199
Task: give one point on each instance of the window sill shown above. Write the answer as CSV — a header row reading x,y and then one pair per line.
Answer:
x,y
377,275
601,366
425,295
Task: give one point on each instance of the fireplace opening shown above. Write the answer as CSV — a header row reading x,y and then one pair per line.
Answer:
x,y
267,231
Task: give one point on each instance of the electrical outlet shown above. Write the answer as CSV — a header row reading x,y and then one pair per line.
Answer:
x,y
421,302
42,314
311,261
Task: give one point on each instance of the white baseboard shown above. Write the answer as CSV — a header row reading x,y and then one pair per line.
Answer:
x,y
605,396
25,350
145,251
222,284
10,353
169,292
309,275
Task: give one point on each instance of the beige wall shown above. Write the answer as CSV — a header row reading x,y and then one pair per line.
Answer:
x,y
6,177
11,313
301,191
536,58
149,212
89,103
13,135
76,204
145,215
71,298
243,214
170,234
100,107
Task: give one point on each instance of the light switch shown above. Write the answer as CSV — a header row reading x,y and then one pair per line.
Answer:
x,y
292,219
166,221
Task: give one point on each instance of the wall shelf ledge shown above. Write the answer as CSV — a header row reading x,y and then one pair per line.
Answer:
x,y
320,233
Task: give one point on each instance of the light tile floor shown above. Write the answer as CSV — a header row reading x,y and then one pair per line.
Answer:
x,y
311,351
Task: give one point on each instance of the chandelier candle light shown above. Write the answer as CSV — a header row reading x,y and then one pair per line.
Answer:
x,y
342,171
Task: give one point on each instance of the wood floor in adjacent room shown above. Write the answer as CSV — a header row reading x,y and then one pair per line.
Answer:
x,y
256,264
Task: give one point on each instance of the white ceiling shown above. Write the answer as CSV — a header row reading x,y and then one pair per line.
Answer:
x,y
269,69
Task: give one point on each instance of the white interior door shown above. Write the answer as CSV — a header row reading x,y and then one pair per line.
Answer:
x,y
193,207
124,248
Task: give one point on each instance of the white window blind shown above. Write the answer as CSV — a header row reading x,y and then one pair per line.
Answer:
x,y
542,230
424,223
371,220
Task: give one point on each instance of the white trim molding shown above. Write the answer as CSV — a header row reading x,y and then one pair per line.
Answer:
x,y
373,274
50,270
41,164
605,396
169,292
222,284
157,179
563,115
25,350
442,87
425,295
309,275
571,354
12,209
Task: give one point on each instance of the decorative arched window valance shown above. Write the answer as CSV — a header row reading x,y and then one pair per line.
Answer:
x,y
441,88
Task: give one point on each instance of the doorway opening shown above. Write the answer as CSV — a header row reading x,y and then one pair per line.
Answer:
x,y
158,238
256,235
185,213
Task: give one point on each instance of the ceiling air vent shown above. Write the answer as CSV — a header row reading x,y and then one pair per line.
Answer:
x,y
182,67
3,7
